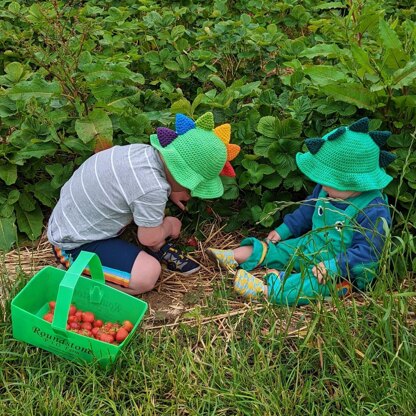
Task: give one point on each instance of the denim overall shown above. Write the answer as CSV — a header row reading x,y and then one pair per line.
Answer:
x,y
331,235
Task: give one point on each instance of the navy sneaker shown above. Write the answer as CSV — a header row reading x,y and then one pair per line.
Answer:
x,y
175,260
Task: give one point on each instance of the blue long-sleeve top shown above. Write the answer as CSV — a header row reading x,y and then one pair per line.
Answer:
x,y
367,243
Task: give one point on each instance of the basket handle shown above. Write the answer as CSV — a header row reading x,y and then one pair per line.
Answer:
x,y
67,286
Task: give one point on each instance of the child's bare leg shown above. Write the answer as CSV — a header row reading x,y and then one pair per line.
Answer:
x,y
241,254
144,274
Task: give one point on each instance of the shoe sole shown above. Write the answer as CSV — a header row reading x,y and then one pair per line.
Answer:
x,y
217,262
214,259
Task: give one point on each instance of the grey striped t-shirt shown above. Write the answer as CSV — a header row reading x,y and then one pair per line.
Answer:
x,y
107,192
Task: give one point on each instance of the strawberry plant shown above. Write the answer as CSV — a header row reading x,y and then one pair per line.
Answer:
x,y
79,77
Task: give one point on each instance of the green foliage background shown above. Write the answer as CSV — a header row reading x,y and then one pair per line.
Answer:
x,y
79,75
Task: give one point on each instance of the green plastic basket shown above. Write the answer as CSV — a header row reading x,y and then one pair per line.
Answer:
x,y
67,288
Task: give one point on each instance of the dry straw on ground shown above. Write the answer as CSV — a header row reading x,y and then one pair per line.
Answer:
x,y
176,298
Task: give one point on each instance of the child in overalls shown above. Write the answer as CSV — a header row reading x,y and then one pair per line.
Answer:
x,y
336,235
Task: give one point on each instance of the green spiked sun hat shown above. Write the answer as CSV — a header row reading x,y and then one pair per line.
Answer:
x,y
348,158
196,154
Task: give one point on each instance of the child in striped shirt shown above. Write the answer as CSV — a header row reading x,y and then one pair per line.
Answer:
x,y
133,183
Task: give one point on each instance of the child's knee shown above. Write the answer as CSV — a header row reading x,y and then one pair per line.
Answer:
x,y
145,273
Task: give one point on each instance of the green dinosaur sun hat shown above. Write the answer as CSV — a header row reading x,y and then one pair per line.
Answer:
x,y
196,154
348,158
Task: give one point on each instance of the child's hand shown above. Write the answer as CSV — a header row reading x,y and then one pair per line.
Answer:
x,y
177,197
273,237
175,226
320,272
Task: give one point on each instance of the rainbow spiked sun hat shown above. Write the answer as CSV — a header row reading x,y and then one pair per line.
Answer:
x,y
196,154
348,158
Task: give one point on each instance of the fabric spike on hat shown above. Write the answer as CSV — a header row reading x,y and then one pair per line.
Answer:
x,y
224,133
183,124
206,121
360,126
166,136
348,158
192,131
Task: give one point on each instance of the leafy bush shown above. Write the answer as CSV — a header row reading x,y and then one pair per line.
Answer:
x,y
79,77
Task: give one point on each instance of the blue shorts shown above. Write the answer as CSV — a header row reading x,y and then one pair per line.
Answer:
x,y
117,257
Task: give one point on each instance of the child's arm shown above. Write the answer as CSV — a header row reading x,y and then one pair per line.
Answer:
x,y
299,221
179,197
155,237
367,242
149,216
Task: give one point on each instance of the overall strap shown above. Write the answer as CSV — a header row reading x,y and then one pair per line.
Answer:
x,y
357,204
360,202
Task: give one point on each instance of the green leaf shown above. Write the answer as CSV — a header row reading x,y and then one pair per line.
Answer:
x,y
324,74
14,71
85,58
289,128
272,181
30,223
262,145
272,127
267,126
34,150
267,215
284,162
7,233
13,196
109,72
256,170
6,211
248,89
196,102
294,181
14,7
96,123
8,173
134,125
26,202
231,190
329,50
331,5
352,93
7,106
361,57
256,212
404,77
37,88
244,179
218,82
182,106
177,32
172,66
44,193
152,57
60,173
388,36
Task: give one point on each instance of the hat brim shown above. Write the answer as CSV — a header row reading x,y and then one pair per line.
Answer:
x,y
199,186
342,181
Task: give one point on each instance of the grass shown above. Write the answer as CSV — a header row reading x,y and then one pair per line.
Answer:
x,y
223,357
355,357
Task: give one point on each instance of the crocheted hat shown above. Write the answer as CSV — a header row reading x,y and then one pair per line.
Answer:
x,y
348,158
197,153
